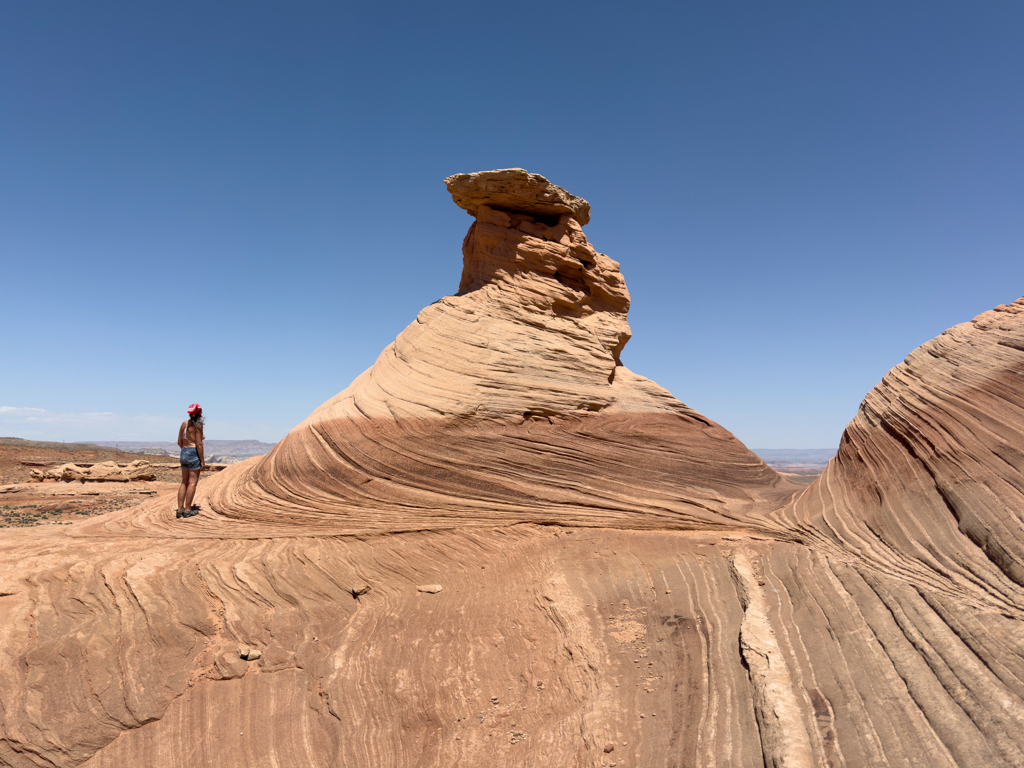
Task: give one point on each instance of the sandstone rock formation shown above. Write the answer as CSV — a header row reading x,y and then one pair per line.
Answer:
x,y
103,472
930,467
500,547
513,189
508,402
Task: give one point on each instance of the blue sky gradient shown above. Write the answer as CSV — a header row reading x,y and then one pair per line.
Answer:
x,y
241,204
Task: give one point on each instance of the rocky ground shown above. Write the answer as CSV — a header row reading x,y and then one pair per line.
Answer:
x,y
25,503
62,504
19,457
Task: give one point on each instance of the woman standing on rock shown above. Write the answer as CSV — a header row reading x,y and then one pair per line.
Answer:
x,y
190,440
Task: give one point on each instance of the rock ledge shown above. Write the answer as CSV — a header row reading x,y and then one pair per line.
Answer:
x,y
514,189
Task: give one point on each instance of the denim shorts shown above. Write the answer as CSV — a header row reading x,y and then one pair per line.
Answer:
x,y
190,458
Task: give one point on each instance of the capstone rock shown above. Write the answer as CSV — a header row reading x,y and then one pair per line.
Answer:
x,y
516,190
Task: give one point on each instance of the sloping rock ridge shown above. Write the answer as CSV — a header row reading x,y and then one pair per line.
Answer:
x,y
499,547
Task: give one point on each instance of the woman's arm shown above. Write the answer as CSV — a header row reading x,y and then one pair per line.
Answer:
x,y
181,434
199,445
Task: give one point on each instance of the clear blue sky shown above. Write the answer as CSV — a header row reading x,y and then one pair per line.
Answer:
x,y
241,204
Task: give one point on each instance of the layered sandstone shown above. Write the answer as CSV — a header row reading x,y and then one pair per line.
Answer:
x,y
499,547
508,401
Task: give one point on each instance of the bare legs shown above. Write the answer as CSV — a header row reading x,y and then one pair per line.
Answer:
x,y
190,493
187,489
183,487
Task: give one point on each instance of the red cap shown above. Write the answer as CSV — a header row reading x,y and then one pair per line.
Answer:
x,y
194,409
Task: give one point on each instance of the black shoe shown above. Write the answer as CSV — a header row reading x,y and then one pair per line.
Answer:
x,y
190,512
178,513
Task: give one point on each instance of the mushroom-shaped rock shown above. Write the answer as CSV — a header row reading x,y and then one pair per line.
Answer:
x,y
506,402
513,189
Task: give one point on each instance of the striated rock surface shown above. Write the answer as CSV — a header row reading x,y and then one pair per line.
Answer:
x,y
499,547
924,502
930,468
507,402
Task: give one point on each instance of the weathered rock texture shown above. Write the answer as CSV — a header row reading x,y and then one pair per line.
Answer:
x,y
507,402
931,466
104,472
514,189
500,547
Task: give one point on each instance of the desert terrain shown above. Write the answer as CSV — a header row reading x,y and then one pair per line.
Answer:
x,y
25,502
498,546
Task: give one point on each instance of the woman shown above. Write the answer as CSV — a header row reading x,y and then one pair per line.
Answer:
x,y
190,440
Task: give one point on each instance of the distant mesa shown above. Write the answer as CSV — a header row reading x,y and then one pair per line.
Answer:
x,y
800,465
220,451
23,443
